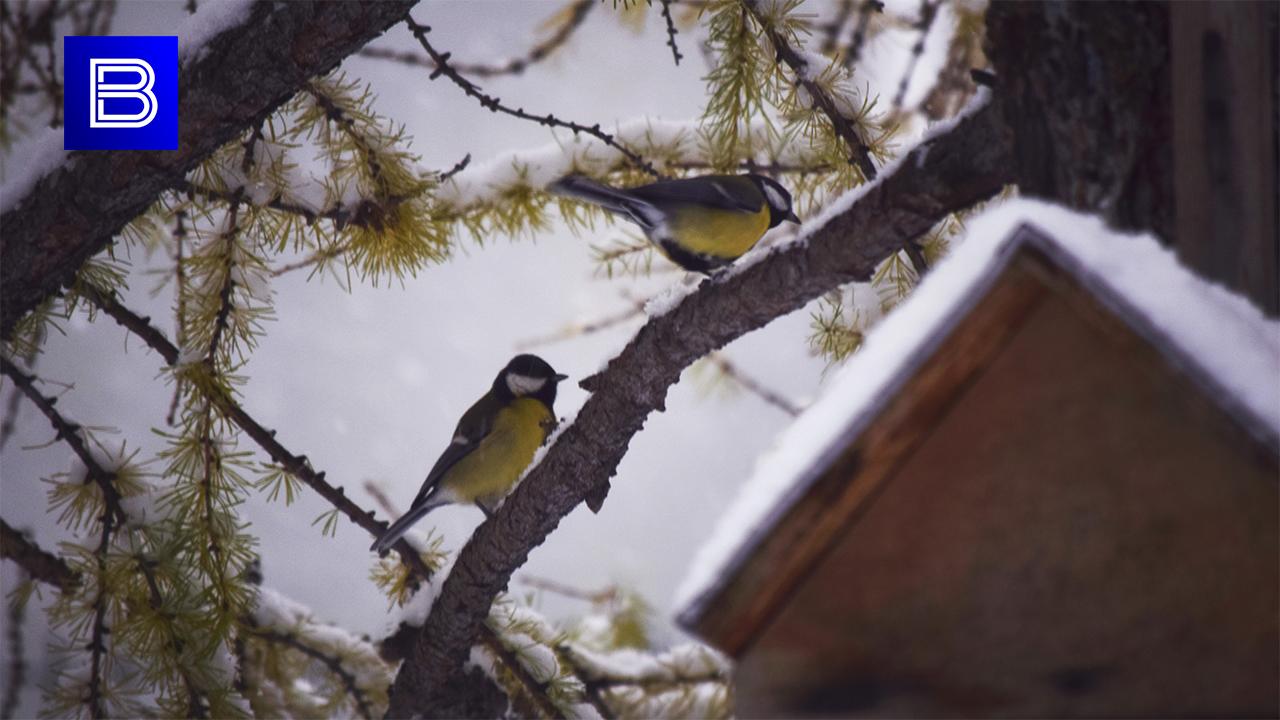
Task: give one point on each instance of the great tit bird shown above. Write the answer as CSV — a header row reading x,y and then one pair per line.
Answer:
x,y
494,442
701,223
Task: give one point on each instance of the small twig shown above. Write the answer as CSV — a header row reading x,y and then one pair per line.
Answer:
x,y
9,423
493,104
297,465
831,31
596,597
536,691
753,386
180,284
587,328
196,706
918,263
854,53
38,563
577,13
671,30
314,258
928,11
68,432
457,168
380,497
339,215
860,152
590,690
17,664
332,663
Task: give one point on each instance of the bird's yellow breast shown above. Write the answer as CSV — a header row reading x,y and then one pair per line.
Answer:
x,y
719,233
487,473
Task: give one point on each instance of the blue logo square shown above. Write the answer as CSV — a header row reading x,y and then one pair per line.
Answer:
x,y
121,92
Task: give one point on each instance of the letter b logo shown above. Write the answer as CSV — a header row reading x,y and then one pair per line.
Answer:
x,y
100,91
121,93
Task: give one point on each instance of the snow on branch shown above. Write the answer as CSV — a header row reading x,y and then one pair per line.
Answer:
x,y
74,210
945,174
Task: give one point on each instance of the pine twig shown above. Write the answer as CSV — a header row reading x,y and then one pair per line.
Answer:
x,y
536,691
928,12
854,53
17,664
69,432
494,104
297,465
671,30
577,10
334,664
831,31
860,152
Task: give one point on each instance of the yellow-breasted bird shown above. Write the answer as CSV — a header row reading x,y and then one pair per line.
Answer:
x,y
494,442
701,223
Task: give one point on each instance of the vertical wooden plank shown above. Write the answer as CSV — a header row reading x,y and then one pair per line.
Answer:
x,y
1225,163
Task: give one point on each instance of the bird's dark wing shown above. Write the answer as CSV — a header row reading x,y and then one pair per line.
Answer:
x,y
475,424
727,192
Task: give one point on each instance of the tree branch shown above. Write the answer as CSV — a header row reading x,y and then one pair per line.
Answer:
x,y
40,564
334,664
671,30
860,153
494,104
951,172
296,465
74,211
574,14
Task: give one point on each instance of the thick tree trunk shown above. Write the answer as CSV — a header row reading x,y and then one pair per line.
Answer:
x,y
1158,116
1086,92
242,75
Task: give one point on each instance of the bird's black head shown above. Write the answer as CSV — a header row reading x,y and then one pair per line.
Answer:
x,y
528,376
777,197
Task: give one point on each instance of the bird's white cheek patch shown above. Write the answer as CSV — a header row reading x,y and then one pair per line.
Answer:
x,y
775,198
523,384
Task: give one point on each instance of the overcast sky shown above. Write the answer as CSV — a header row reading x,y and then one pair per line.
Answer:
x,y
369,384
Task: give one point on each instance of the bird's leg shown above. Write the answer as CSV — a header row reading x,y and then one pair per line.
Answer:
x,y
488,514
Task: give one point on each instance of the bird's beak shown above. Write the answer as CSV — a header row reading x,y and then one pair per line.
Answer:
x,y
791,216
560,377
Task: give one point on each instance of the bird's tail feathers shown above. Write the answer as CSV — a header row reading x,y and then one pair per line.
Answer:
x,y
584,188
401,526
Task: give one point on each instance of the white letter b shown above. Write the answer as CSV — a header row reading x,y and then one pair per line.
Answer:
x,y
141,91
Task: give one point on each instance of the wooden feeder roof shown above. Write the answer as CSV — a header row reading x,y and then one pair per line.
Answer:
x,y
919,361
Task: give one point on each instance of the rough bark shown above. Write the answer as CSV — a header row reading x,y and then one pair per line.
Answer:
x,y
1086,90
241,76
952,172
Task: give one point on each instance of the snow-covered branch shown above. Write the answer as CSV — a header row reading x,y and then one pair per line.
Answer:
x,y
966,164
52,224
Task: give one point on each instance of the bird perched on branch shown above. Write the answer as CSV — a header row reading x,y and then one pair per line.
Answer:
x,y
494,442
700,223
